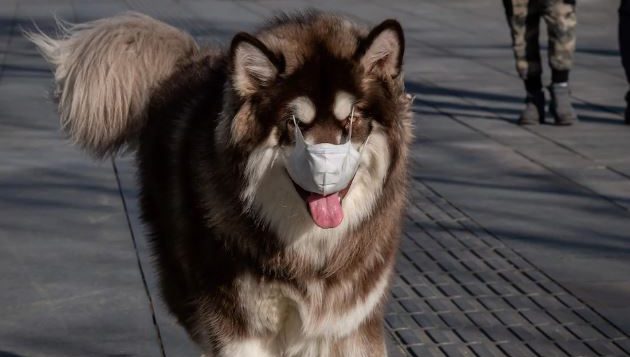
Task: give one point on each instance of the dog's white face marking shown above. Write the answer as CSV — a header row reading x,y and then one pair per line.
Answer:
x,y
271,195
343,105
303,109
272,139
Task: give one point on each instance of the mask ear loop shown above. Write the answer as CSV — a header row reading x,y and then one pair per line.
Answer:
x,y
350,132
297,128
351,121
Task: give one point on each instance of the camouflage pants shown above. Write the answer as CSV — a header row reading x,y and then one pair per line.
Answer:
x,y
524,19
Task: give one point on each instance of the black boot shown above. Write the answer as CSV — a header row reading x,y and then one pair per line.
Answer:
x,y
534,111
628,108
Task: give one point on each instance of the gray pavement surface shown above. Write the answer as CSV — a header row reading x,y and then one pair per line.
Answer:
x,y
517,241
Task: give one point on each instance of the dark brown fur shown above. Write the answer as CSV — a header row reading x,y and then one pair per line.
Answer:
x,y
190,185
202,125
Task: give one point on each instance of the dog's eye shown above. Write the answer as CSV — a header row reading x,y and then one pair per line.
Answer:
x,y
351,119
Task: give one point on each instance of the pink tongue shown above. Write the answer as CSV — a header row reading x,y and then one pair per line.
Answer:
x,y
325,210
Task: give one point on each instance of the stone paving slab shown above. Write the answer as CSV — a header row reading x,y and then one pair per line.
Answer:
x,y
68,271
173,337
462,291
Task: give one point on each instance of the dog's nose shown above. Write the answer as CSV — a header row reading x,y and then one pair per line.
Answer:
x,y
327,131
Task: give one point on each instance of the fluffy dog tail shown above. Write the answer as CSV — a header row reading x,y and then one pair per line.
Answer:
x,y
105,72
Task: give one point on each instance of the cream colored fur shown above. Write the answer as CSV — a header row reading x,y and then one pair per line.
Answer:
x,y
105,71
270,192
288,326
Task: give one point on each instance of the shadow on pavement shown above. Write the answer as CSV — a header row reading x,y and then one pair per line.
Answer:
x,y
9,354
505,106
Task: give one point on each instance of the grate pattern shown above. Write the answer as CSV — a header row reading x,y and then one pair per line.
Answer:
x,y
461,292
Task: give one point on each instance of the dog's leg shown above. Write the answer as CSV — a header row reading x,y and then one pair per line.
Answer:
x,y
367,341
250,347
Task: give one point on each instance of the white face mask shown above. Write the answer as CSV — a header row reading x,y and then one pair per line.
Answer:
x,y
323,168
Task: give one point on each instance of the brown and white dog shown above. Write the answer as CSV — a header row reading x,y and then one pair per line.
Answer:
x,y
243,264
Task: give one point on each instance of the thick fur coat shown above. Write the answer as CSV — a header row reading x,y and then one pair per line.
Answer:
x,y
242,265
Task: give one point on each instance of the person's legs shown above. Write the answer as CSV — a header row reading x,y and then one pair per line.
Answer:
x,y
523,17
624,46
561,22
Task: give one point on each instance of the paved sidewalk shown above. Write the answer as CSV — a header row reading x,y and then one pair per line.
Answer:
x,y
517,241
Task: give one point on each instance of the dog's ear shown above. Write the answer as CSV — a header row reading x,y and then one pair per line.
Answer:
x,y
381,52
252,64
